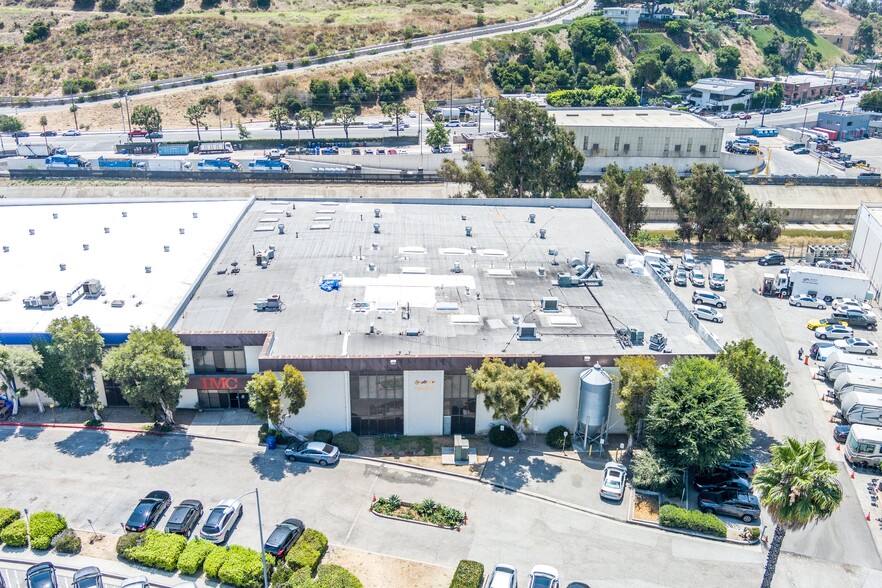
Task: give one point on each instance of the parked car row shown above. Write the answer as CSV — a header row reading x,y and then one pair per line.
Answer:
x,y
541,576
184,518
43,575
725,490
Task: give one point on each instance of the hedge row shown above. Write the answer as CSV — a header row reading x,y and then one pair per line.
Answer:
x,y
15,534
157,550
693,520
194,555
7,516
469,574
44,526
308,551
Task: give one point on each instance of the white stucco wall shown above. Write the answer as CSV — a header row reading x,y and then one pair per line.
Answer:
x,y
189,396
327,403
423,402
252,354
189,351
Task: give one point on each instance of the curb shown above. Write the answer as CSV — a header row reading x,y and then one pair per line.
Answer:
x,y
113,429
423,523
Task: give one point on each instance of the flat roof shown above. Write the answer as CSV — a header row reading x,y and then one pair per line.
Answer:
x,y
721,84
403,281
628,117
117,258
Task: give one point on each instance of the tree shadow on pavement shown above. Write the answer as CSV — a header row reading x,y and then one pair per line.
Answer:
x,y
6,433
29,433
272,465
83,442
152,450
761,448
513,472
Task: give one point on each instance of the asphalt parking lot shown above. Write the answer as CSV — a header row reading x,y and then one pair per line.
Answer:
x,y
780,329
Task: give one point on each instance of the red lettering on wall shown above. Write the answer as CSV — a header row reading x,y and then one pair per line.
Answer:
x,y
219,384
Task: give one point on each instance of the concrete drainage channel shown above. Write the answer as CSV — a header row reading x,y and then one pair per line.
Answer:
x,y
15,577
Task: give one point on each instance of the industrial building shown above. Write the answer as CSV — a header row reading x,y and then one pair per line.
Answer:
x,y
637,137
803,87
866,243
720,94
382,305
848,125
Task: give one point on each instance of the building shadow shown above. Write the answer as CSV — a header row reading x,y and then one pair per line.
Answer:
x,y
152,450
83,442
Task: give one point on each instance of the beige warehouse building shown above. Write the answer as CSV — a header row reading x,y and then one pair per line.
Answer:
x,y
637,137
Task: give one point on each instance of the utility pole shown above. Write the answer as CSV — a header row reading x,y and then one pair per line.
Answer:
x,y
128,115
220,124
804,120
480,106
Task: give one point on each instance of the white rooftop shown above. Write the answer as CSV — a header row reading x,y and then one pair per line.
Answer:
x,y
718,84
117,258
627,117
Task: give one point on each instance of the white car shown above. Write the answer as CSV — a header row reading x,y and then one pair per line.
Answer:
x,y
851,303
697,277
220,521
800,300
504,576
412,114
834,332
375,125
613,486
707,313
709,298
71,133
542,576
858,345
688,259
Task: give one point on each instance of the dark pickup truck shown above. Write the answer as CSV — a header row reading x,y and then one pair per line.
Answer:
x,y
856,318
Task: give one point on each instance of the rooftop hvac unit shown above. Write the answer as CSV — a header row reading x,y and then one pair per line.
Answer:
x,y
549,304
48,298
527,332
468,231
532,219
92,288
271,304
118,303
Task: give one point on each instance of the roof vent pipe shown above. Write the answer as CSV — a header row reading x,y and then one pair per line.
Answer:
x,y
372,267
468,231
181,231
125,214
6,249
375,246
377,213
54,215
85,246
147,269
532,219
541,233
166,248
31,231
377,228
463,217
195,215
62,266
106,230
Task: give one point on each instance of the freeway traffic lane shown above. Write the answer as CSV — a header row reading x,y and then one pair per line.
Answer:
x,y
100,476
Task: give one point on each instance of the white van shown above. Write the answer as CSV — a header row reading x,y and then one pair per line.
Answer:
x,y
655,255
863,447
717,278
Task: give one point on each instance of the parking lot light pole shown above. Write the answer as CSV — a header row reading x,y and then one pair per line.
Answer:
x,y
260,531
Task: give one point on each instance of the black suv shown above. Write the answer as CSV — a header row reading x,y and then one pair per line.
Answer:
x,y
720,479
856,318
184,517
772,259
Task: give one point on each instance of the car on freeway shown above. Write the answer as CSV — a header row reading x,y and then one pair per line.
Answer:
x,y
771,259
834,332
820,350
850,302
148,511
858,345
727,115
697,277
220,521
88,577
138,133
681,278
314,452
356,151
800,300
503,576
48,134
21,134
283,537
135,582
794,146
720,479
184,518
542,576
709,298
71,133
375,125
744,116
824,322
41,575
840,433
801,151
731,503
613,485
688,259
742,464
707,313
154,135
412,114
446,149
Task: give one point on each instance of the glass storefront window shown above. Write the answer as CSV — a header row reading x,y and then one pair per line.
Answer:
x,y
460,405
377,404
219,360
223,398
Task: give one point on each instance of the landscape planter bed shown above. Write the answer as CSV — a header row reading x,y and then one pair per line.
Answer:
x,y
419,513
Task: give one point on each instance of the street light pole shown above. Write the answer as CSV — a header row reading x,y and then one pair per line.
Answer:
x,y
260,531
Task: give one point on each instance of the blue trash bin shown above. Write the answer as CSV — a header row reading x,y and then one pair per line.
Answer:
x,y
271,442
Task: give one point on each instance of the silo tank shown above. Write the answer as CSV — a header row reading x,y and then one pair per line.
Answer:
x,y
595,387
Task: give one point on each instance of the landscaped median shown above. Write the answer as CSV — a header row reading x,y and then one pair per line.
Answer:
x,y
42,531
646,511
427,512
236,565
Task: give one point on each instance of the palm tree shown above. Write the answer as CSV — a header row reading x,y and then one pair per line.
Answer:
x,y
798,487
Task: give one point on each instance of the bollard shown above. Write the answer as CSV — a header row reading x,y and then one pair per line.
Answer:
x,y
806,360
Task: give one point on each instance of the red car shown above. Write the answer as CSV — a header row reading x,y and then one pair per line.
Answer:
x,y
138,133
840,97
744,116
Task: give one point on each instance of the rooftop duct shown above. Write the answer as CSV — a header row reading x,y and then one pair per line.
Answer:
x,y
85,246
377,213
31,231
541,233
468,231
377,228
532,219
181,230
54,215
106,229
195,215
166,248
125,214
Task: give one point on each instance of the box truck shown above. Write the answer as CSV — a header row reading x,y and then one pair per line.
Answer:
x,y
268,165
218,147
824,283
66,162
863,447
35,151
717,277
168,165
839,362
858,382
120,163
861,408
220,164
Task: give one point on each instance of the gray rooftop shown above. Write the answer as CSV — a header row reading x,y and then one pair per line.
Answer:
x,y
413,288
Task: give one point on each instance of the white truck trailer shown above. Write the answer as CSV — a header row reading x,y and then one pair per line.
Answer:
x,y
824,283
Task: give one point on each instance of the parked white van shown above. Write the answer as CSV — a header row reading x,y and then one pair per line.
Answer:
x,y
651,255
863,447
717,277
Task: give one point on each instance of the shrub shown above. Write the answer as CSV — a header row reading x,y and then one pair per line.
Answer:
x,y
242,568
15,534
331,576
67,542
128,541
556,438
680,518
43,527
214,561
159,550
346,441
39,31
281,576
653,473
314,539
264,430
108,5
194,555
506,437
322,436
469,574
7,516
308,551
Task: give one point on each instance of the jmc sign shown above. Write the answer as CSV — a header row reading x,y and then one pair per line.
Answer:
x,y
217,383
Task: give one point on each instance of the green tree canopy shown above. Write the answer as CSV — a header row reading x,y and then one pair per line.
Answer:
x,y
728,59
761,377
647,69
585,34
798,488
147,118
622,194
638,376
150,368
396,111
697,416
872,101
293,389
344,116
512,392
80,345
19,364
310,118
55,377
265,396
278,115
596,96
195,114
10,124
437,136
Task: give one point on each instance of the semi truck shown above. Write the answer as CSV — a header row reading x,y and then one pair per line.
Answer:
x,y
119,163
220,164
168,165
448,113
218,147
35,151
66,162
275,165
824,283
